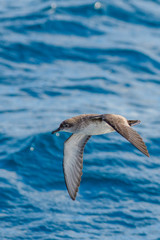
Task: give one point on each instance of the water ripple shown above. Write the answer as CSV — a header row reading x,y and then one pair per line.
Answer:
x,y
60,59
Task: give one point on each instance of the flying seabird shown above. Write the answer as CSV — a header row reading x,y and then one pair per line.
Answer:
x,y
83,127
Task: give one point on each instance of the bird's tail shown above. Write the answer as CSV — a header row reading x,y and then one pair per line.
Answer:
x,y
133,122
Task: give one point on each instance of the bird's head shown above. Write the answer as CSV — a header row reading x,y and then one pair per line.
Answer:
x,y
65,126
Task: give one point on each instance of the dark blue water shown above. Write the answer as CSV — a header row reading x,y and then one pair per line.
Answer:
x,y
64,58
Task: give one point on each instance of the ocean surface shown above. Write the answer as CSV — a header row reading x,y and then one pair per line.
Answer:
x,y
63,58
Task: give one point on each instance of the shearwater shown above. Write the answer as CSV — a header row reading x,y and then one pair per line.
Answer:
x,y
83,127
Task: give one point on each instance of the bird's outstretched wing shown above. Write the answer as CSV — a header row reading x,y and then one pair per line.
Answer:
x,y
121,125
73,162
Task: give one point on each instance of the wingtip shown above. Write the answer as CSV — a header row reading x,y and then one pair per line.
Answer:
x,y
147,155
146,152
73,197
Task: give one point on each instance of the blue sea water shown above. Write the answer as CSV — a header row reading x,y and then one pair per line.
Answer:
x,y
63,58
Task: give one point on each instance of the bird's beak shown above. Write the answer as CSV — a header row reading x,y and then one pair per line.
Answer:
x,y
57,130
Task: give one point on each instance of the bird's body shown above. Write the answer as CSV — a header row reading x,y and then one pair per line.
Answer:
x,y
83,127
88,124
96,128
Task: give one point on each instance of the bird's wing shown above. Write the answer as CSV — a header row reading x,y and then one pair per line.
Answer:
x,y
120,124
73,162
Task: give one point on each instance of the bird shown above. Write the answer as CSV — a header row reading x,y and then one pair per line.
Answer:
x,y
82,128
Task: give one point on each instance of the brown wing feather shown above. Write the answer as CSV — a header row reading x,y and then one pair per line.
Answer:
x,y
73,162
120,124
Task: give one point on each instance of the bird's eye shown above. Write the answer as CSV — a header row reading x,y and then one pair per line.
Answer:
x,y
66,125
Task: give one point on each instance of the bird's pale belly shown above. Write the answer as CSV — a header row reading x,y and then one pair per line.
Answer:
x,y
97,128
